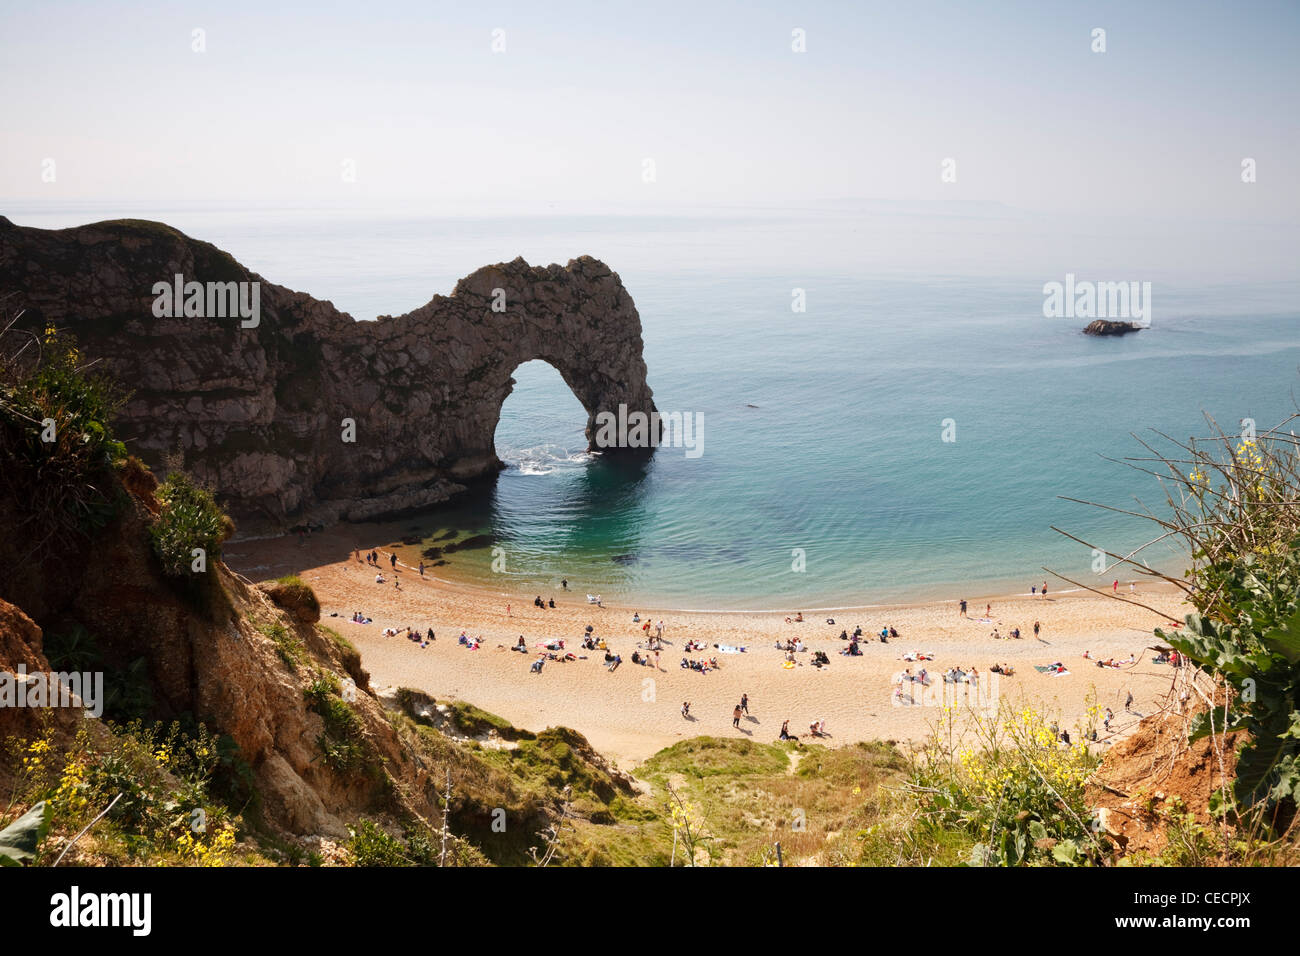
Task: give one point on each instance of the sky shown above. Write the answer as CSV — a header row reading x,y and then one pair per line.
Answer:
x,y
578,98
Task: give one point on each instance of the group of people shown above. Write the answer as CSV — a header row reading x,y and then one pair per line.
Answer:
x,y
372,559
703,666
646,624
741,710
411,633
538,602
1110,661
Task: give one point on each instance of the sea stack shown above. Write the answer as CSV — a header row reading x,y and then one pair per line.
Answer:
x,y
1109,327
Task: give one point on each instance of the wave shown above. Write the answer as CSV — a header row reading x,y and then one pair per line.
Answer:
x,y
543,459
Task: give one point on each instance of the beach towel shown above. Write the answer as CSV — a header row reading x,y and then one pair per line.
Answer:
x,y
728,649
1052,671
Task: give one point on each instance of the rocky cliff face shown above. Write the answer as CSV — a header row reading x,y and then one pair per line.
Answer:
x,y
262,413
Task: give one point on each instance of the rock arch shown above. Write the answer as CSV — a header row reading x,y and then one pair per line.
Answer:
x,y
259,412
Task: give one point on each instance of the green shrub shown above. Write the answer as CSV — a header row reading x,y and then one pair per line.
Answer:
x,y
61,472
340,744
371,846
189,519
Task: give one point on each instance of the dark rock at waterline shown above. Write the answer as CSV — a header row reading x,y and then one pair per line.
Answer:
x,y
625,559
1109,327
471,543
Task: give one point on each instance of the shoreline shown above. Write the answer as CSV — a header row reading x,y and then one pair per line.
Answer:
x,y
633,711
982,590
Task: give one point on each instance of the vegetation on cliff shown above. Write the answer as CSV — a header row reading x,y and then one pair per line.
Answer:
x,y
240,730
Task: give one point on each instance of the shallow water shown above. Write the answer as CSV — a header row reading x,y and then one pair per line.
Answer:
x,y
823,430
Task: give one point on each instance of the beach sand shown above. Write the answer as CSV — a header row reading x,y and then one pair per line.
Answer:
x,y
634,711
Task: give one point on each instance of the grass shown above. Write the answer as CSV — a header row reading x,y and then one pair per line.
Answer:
x,y
713,756
287,646
747,796
341,743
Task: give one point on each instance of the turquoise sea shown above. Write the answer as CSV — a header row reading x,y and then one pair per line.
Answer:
x,y
823,429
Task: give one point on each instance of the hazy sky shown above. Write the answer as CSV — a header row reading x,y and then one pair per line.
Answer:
x,y
712,92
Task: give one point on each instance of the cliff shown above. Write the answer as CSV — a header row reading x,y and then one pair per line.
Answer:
x,y
260,411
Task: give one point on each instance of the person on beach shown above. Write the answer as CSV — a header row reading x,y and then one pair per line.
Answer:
x,y
392,559
1128,703
988,610
1044,592
659,629
1033,590
430,637
735,717
421,569
1115,587
1109,717
744,703
564,584
507,610
785,730
397,584
379,578
963,607
1036,628
686,708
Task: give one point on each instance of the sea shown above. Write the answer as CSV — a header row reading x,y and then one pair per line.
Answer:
x,y
887,412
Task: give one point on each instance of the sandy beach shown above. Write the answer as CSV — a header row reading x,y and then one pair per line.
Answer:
x,y
634,711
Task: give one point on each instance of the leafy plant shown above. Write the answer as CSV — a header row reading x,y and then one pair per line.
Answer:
x,y
1258,654
56,438
19,840
189,519
1233,506
340,744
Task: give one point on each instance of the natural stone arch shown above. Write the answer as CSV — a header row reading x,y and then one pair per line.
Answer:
x,y
578,319
258,412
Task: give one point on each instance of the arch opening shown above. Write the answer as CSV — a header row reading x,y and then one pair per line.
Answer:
x,y
541,425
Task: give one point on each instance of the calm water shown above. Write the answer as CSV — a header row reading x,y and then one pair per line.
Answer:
x,y
822,430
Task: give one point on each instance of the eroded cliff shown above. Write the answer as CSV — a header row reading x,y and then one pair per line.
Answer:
x,y
261,412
